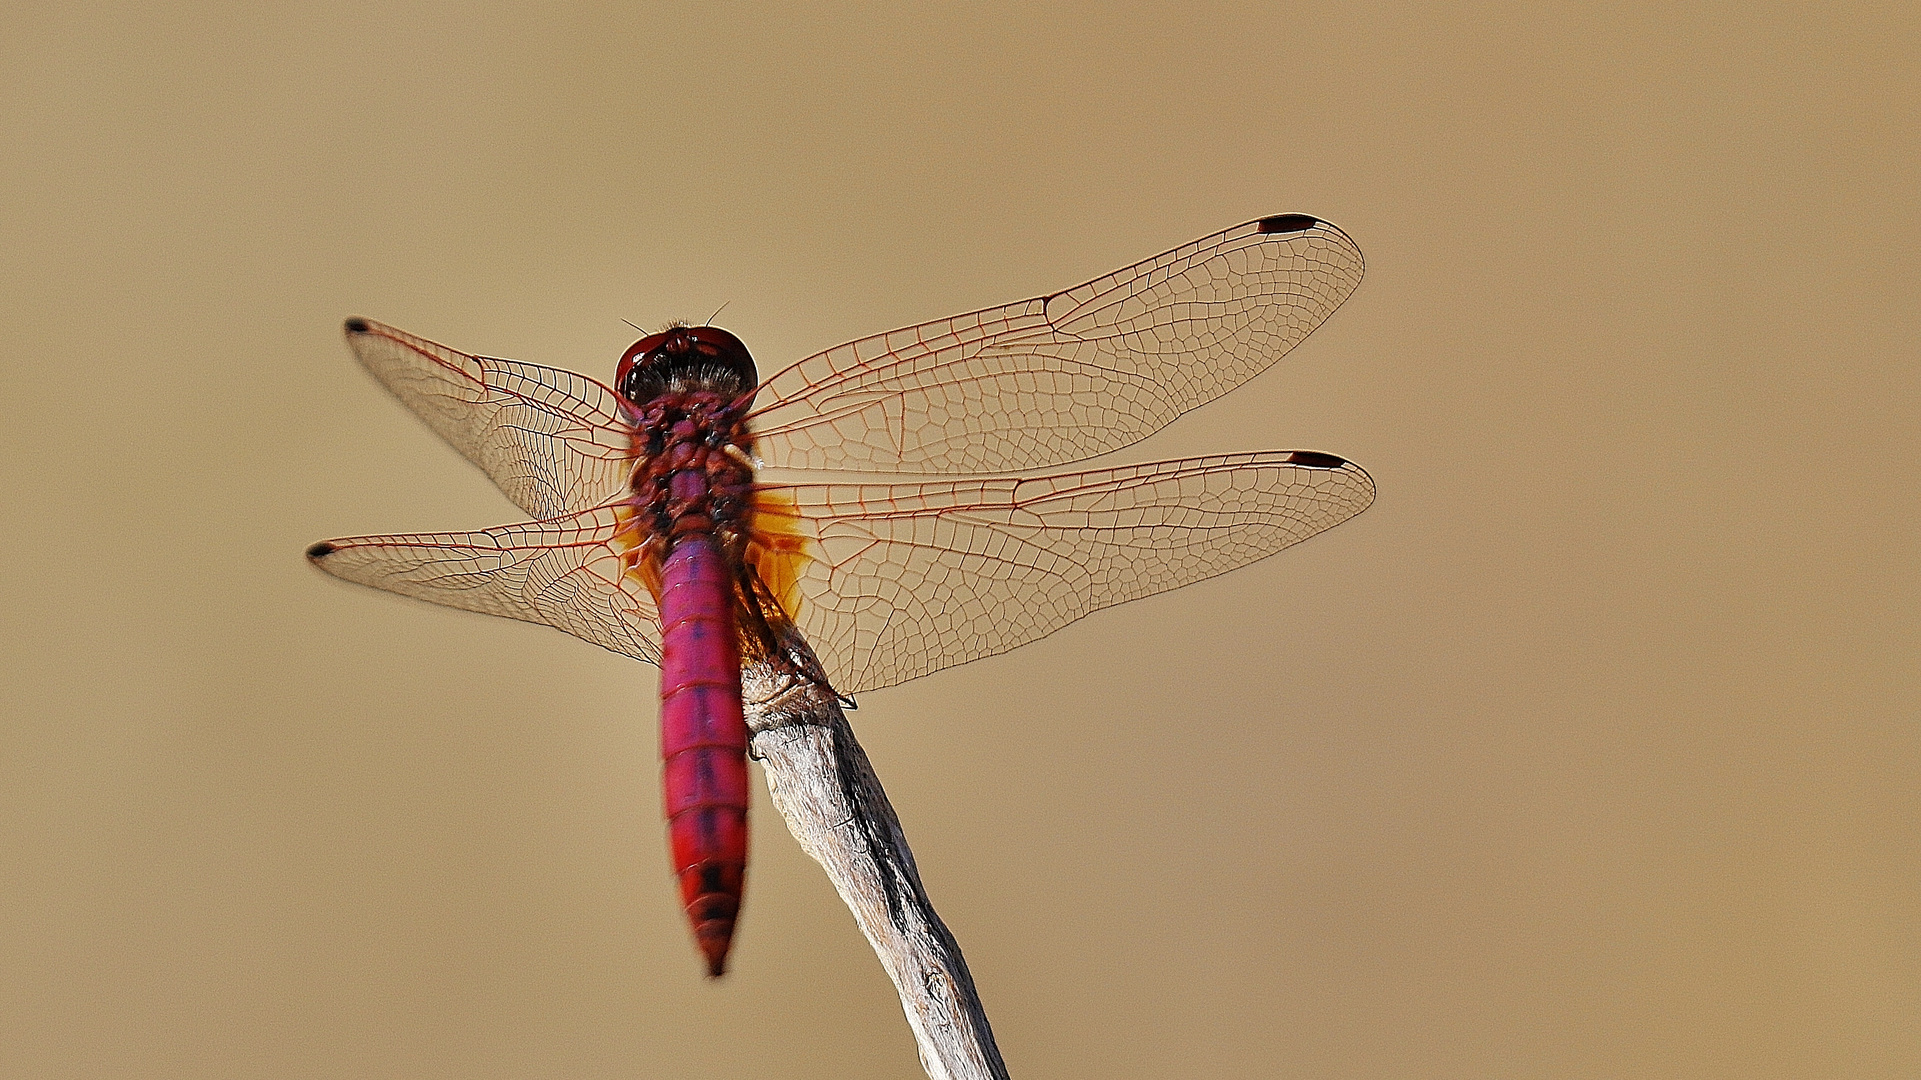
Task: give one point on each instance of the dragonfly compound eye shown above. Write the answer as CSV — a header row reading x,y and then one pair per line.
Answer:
x,y
685,358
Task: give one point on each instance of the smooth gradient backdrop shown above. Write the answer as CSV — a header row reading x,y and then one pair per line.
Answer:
x,y
1589,751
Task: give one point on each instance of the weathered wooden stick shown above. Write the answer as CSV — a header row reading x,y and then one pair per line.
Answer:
x,y
825,787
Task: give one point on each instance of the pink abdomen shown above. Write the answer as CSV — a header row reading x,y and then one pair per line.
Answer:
x,y
703,741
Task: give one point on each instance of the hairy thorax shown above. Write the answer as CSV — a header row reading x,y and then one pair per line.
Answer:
x,y
695,475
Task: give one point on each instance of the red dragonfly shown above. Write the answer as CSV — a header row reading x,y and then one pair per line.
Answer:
x,y
657,536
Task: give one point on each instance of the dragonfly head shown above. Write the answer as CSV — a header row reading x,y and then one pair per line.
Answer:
x,y
682,358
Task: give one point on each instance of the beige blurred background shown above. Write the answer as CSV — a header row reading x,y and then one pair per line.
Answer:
x,y
1590,751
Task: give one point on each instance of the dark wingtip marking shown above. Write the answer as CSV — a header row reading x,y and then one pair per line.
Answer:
x,y
1314,459
320,551
357,325
1287,223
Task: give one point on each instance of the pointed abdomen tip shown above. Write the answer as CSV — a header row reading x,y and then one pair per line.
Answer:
x,y
714,947
1287,223
320,551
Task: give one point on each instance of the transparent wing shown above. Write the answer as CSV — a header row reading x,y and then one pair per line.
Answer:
x,y
573,573
1068,376
904,579
555,442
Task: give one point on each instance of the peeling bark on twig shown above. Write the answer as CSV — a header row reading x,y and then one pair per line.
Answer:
x,y
825,788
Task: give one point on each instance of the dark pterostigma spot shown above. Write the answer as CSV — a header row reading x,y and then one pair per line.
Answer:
x,y
1314,459
1287,223
320,550
356,325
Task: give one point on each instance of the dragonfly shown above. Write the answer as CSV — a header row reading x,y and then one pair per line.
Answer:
x,y
889,500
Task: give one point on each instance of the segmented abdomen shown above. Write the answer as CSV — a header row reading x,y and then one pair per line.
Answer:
x,y
703,741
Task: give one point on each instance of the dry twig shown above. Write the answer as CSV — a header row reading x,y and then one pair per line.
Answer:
x,y
825,788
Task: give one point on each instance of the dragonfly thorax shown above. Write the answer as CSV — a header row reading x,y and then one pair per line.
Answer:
x,y
692,474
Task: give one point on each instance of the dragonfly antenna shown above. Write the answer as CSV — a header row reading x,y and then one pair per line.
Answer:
x,y
717,311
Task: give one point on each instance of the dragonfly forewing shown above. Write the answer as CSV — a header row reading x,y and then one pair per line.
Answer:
x,y
1067,376
554,442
